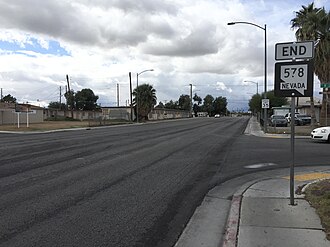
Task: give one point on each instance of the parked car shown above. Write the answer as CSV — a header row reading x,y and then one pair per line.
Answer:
x,y
304,119
217,115
278,120
322,134
299,119
288,116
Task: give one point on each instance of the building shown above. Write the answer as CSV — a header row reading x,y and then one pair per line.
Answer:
x,y
11,113
302,105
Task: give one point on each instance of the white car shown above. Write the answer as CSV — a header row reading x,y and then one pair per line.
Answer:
x,y
322,134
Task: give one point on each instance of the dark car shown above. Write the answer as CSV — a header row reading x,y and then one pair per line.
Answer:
x,y
303,119
278,120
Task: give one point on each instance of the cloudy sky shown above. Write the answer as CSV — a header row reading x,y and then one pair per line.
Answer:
x,y
98,42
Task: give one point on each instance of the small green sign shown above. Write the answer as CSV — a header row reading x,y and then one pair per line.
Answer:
x,y
325,85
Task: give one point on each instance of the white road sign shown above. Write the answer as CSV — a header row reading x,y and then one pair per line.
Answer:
x,y
265,103
294,50
294,77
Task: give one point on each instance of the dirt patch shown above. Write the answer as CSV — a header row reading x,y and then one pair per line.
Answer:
x,y
318,195
54,125
299,130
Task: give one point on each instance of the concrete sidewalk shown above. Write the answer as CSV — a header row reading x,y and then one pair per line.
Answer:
x,y
254,211
266,217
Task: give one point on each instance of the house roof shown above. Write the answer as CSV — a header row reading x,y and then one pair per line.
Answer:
x,y
21,107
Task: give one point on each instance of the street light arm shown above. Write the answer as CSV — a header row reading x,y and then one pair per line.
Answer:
x,y
252,82
256,84
248,23
145,71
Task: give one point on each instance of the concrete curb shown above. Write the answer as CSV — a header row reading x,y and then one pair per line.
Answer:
x,y
230,239
232,226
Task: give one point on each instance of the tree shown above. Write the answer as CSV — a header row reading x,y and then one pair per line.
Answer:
x,y
160,105
208,104
172,105
255,101
314,24
184,102
145,99
57,105
220,105
275,101
197,99
70,99
8,99
197,107
86,100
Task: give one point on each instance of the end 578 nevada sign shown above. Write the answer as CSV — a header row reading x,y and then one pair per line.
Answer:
x,y
294,79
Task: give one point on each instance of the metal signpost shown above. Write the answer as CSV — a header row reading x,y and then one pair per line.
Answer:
x,y
294,79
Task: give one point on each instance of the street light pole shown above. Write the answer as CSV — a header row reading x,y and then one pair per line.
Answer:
x,y
254,83
265,63
137,94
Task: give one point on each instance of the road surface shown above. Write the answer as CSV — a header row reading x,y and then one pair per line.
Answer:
x,y
131,185
126,186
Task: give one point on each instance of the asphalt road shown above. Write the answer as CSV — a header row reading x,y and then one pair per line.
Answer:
x,y
120,186
134,185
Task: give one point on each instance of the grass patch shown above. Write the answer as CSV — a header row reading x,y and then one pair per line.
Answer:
x,y
318,195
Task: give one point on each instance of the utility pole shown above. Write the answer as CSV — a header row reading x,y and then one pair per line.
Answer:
x,y
1,95
130,88
117,94
60,95
68,81
69,96
190,100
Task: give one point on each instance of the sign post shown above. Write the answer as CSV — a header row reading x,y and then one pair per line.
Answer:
x,y
294,79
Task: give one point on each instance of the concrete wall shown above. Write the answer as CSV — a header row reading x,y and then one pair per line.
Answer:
x,y
121,113
78,115
161,114
11,114
155,114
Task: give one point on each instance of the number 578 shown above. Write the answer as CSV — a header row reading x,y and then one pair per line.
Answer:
x,y
293,72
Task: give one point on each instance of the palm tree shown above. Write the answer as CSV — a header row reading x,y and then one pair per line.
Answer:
x,y
313,24
145,97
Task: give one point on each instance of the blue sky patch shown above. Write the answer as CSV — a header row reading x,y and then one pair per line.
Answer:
x,y
54,47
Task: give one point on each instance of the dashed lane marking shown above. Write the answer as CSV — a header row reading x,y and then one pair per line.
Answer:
x,y
256,166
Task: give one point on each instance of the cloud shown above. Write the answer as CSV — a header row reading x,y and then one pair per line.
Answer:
x,y
220,86
144,6
97,42
200,41
107,24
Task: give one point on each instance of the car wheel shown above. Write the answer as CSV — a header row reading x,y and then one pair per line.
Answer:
x,y
329,138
